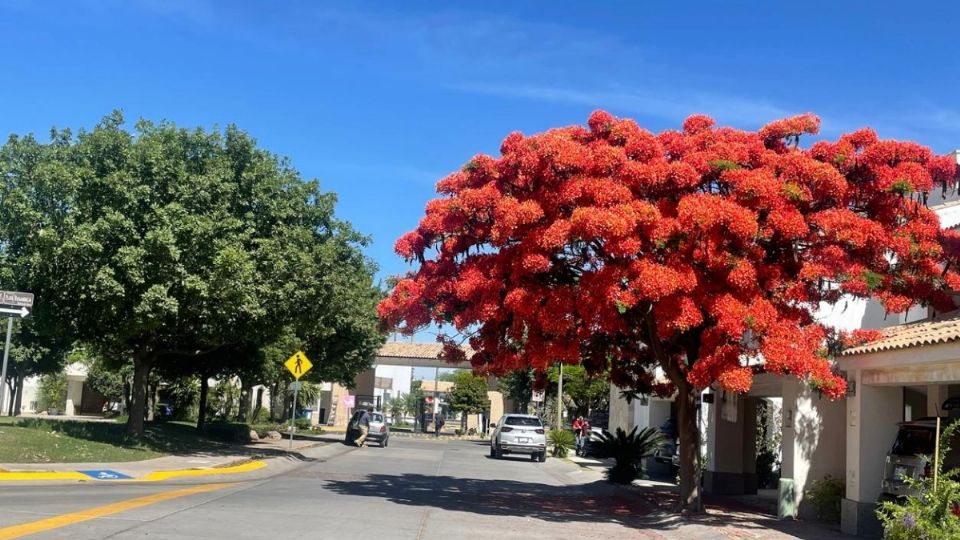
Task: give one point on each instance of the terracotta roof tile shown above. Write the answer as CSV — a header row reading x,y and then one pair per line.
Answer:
x,y
400,349
943,329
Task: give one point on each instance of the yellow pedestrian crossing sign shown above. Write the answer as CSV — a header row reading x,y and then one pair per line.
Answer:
x,y
298,364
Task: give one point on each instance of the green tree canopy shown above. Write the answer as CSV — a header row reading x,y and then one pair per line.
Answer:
x,y
168,245
518,387
469,393
585,392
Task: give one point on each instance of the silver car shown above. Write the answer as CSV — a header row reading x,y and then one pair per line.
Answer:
x,y
379,430
519,434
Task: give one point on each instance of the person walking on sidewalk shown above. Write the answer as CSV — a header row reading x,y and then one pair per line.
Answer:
x,y
438,424
363,423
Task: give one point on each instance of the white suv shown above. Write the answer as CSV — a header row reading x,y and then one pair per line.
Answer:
x,y
519,434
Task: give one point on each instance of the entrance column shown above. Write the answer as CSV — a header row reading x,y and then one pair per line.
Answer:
x,y
813,444
621,412
74,396
872,417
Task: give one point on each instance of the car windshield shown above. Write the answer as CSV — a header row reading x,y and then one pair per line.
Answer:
x,y
912,441
376,418
522,421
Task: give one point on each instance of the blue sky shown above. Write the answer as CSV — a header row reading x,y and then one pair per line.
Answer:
x,y
379,101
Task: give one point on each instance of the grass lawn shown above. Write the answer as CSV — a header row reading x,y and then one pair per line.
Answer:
x,y
58,441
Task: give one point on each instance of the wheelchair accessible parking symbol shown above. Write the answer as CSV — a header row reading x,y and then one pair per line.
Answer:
x,y
105,475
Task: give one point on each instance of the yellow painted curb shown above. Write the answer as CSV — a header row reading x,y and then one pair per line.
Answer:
x,y
42,475
236,469
152,477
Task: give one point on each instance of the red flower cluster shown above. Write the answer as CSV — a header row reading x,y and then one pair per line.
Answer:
x,y
697,251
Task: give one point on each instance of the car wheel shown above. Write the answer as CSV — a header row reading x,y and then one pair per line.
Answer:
x,y
493,454
498,452
543,457
533,456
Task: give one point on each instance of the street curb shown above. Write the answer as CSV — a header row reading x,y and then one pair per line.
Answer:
x,y
156,476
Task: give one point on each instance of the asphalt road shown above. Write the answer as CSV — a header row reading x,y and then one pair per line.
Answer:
x,y
414,489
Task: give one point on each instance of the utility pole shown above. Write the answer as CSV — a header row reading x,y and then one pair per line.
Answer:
x,y
436,395
560,399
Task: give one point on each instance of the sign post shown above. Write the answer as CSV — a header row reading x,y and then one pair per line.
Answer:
x,y
14,304
298,364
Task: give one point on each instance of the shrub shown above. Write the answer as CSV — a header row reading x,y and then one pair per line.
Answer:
x,y
302,423
229,432
628,451
825,496
260,416
561,442
472,431
458,432
53,392
933,514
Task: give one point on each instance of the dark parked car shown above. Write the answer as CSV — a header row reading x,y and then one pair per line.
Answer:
x,y
915,439
669,452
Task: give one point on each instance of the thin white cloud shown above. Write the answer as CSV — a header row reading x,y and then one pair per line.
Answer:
x,y
668,104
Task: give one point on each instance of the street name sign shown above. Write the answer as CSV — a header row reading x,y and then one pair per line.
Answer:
x,y
298,364
295,386
13,303
16,299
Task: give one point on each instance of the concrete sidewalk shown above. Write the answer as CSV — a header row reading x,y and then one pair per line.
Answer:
x,y
725,516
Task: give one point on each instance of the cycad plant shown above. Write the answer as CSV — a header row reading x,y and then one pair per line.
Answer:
x,y
933,513
561,441
628,451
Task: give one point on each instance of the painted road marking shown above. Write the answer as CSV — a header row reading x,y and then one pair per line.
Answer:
x,y
106,475
56,522
152,477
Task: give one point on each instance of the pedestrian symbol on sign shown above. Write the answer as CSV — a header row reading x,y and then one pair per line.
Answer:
x,y
298,364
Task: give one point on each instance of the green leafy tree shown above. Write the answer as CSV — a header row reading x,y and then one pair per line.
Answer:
x,y
585,392
518,387
412,401
397,407
469,395
30,214
52,392
166,245
110,383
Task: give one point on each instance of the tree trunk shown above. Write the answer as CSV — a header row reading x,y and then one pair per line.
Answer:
x,y
151,401
259,405
18,402
11,391
689,451
276,402
138,402
126,396
202,406
246,399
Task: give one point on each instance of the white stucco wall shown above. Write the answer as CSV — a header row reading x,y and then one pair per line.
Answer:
x,y
814,437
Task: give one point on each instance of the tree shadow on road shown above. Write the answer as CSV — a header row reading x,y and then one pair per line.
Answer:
x,y
598,502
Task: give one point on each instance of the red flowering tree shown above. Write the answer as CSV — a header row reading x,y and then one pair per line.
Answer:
x,y
702,253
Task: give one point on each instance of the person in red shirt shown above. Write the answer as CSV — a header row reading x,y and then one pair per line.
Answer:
x,y
581,428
